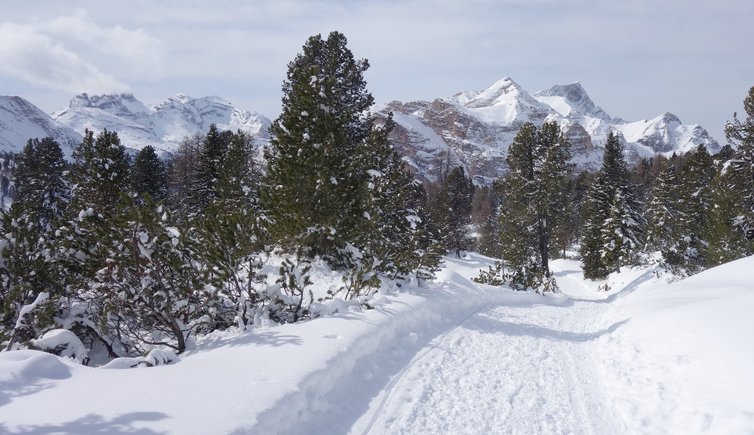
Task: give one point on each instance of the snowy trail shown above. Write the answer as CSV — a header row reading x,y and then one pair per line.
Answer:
x,y
505,369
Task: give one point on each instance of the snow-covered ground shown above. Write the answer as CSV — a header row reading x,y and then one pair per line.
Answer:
x,y
450,357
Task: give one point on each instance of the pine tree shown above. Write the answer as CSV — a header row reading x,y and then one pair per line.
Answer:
x,y
150,291
28,278
148,176
518,220
552,172
452,209
740,134
41,188
100,179
614,227
489,238
100,173
534,200
28,272
204,182
181,170
663,209
397,238
232,235
725,242
687,255
315,189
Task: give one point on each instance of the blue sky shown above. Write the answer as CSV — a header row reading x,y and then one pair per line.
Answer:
x,y
636,58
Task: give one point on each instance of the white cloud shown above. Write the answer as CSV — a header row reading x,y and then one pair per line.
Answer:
x,y
137,53
32,56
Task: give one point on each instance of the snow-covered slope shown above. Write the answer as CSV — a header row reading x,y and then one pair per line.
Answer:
x,y
271,380
163,125
452,356
20,121
477,128
682,360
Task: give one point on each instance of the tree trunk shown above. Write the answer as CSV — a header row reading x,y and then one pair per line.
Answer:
x,y
544,241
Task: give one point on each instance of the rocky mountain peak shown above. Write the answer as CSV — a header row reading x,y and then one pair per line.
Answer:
x,y
476,128
163,125
503,91
571,100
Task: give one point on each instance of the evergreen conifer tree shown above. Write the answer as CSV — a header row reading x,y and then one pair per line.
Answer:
x,y
100,179
41,188
489,240
614,226
28,278
148,176
100,173
688,253
149,289
204,182
726,242
232,235
397,238
740,134
453,209
663,209
315,189
535,194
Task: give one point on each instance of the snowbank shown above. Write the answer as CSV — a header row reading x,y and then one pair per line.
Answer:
x,y
270,380
683,361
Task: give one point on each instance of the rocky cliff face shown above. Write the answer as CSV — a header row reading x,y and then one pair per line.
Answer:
x,y
163,125
475,129
20,121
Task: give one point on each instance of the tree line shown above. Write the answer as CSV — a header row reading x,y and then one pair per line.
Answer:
x,y
686,212
131,252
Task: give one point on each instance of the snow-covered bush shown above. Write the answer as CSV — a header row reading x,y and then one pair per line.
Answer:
x,y
63,343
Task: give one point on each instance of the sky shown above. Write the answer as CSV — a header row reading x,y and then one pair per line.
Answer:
x,y
635,58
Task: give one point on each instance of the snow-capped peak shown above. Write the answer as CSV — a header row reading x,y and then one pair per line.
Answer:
x,y
571,100
163,125
504,102
502,91
477,128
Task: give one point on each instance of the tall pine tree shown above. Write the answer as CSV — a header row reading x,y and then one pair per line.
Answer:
x,y
535,196
663,209
453,209
148,176
315,189
613,229
740,134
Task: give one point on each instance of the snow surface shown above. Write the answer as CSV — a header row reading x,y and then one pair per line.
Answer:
x,y
452,356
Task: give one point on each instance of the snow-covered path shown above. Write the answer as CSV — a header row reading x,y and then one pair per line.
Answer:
x,y
452,357
505,369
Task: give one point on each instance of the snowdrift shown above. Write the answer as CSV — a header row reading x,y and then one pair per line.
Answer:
x,y
682,363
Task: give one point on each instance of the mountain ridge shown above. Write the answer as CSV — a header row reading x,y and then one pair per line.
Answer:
x,y
475,128
470,128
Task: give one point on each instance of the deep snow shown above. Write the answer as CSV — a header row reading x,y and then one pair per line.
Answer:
x,y
450,357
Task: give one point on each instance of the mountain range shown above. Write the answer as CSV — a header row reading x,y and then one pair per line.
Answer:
x,y
475,128
470,128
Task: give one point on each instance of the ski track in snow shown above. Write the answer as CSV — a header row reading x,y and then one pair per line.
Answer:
x,y
504,369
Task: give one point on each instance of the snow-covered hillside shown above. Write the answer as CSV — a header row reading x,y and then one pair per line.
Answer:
x,y
452,356
20,121
476,128
682,360
163,125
